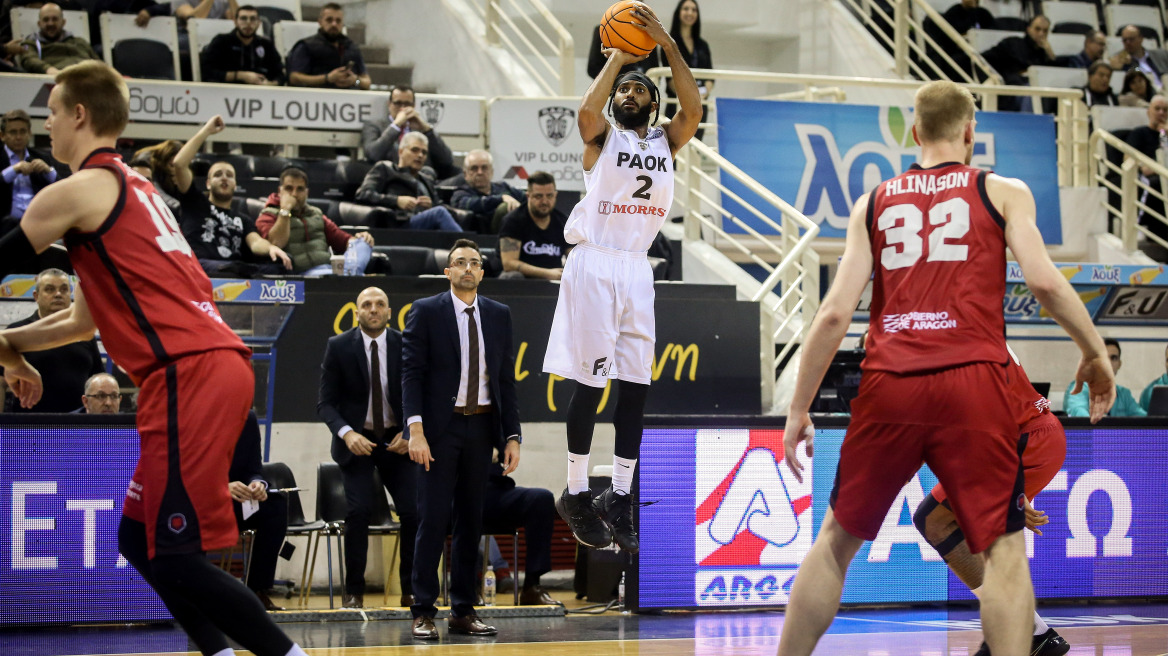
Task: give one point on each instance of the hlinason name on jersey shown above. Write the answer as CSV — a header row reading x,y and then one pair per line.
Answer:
x,y
926,184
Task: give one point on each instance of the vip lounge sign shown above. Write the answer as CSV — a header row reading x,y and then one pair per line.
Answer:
x,y
537,135
824,157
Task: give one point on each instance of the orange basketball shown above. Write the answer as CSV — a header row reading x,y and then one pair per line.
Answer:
x,y
617,29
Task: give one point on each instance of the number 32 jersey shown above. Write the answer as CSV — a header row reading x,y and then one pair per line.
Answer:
x,y
628,193
939,261
147,293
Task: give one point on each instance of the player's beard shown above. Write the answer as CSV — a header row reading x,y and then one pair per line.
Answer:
x,y
631,120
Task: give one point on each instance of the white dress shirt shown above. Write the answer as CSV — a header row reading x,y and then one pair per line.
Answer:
x,y
390,419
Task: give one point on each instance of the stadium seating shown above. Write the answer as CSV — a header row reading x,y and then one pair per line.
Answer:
x,y
202,31
149,52
24,22
1077,13
1148,19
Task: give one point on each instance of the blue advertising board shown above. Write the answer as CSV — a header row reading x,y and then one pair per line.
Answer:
x,y
822,157
61,492
728,524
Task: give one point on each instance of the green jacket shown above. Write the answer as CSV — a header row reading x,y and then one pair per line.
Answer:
x,y
1146,396
310,235
66,51
1078,405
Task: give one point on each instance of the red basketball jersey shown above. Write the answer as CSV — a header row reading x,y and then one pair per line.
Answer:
x,y
147,293
939,266
1029,404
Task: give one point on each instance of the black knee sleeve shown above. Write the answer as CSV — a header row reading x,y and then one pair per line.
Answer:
x,y
629,418
920,517
582,417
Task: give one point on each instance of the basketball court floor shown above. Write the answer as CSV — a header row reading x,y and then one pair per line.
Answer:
x,y
1098,630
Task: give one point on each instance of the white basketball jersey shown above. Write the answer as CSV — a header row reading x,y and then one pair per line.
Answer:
x,y
629,192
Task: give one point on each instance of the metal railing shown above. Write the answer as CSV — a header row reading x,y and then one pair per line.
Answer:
x,y
913,49
538,41
1129,191
1070,117
789,296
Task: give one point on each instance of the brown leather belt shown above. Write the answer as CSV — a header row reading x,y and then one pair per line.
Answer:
x,y
480,410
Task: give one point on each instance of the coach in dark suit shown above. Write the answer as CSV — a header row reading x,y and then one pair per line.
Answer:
x,y
24,171
269,521
458,386
364,412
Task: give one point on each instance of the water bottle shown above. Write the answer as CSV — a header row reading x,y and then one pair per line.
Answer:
x,y
351,258
489,586
620,593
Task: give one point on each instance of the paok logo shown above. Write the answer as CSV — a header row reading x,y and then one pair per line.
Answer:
x,y
556,123
753,519
432,110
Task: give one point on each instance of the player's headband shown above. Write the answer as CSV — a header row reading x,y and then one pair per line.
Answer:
x,y
637,76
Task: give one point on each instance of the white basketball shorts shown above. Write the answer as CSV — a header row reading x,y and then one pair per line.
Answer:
x,y
604,325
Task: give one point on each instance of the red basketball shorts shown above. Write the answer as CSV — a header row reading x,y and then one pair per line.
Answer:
x,y
190,415
959,422
1046,449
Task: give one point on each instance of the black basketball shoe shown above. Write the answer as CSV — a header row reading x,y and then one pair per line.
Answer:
x,y
584,520
617,511
1047,644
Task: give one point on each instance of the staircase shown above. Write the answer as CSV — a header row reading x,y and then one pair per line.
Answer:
x,y
383,74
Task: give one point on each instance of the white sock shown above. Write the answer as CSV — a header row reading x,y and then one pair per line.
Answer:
x,y
225,652
1040,627
622,474
577,473
296,651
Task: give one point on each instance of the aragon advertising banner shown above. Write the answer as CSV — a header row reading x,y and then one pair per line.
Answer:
x,y
823,157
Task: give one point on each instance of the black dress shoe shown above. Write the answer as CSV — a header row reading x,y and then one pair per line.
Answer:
x,y
407,600
352,601
424,628
470,625
267,601
536,596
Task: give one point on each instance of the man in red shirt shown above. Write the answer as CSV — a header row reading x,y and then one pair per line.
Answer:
x,y
141,286
936,332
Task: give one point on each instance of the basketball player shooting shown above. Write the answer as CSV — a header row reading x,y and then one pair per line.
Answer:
x,y
604,326
936,384
141,286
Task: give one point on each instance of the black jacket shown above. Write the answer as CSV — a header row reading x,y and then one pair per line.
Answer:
x,y
227,52
247,461
385,182
432,365
344,386
39,181
379,140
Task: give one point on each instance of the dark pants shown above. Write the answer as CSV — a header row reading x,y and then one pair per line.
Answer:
x,y
507,507
270,523
452,489
398,474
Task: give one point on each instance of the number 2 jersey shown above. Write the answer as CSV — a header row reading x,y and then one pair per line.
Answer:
x,y
146,292
939,262
628,193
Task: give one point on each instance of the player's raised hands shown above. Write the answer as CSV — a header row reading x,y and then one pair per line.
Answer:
x,y
651,25
1096,372
798,429
622,58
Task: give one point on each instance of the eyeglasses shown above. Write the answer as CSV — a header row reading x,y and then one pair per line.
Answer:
x,y
103,396
463,264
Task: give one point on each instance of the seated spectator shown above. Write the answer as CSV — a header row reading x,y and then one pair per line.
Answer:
x,y
380,137
216,224
302,230
328,58
256,510
1013,56
1098,90
486,201
1137,90
1147,139
52,48
64,369
184,9
407,189
1076,405
241,55
1154,63
102,395
531,241
963,16
26,171
508,506
1146,395
1094,47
